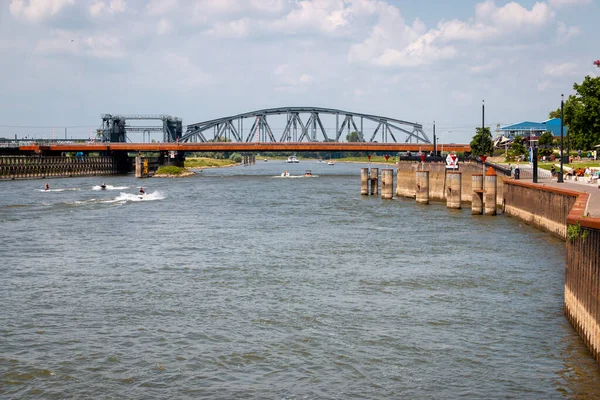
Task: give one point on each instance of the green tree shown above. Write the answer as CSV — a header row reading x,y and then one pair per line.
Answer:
x,y
582,114
518,148
482,145
354,137
546,143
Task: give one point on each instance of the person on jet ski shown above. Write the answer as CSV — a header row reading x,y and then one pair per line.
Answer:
x,y
142,191
103,186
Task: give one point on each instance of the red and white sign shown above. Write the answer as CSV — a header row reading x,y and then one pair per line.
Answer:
x,y
452,161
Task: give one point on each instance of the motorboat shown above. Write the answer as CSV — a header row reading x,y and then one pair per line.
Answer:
x,y
292,159
285,174
308,173
330,163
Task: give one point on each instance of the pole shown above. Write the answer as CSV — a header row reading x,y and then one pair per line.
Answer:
x,y
482,134
434,143
562,108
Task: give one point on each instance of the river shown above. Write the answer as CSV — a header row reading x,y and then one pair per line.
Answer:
x,y
236,283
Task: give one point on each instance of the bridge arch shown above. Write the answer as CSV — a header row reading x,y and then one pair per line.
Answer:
x,y
309,129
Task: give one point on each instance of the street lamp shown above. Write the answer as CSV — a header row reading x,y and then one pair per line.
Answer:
x,y
562,117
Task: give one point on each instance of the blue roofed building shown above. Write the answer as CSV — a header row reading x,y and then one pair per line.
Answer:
x,y
529,128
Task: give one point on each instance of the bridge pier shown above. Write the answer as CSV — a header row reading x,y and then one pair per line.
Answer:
x,y
141,167
173,157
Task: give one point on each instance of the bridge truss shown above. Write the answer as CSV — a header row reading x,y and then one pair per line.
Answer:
x,y
309,129
114,127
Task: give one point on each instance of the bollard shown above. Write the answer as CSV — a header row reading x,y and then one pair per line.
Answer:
x,y
422,187
364,181
489,195
477,199
454,189
387,183
374,181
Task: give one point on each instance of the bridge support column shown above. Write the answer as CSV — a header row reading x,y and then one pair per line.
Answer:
x,y
387,183
374,181
175,158
422,187
364,181
490,188
477,196
141,167
453,190
253,158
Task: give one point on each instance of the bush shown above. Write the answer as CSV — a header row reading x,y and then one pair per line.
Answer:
x,y
236,157
169,170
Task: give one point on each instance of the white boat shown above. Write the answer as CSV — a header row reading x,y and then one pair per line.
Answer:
x,y
292,159
330,163
285,174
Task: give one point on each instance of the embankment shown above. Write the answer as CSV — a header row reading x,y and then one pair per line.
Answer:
x,y
564,214
406,181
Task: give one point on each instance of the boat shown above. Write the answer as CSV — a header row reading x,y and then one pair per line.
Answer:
x,y
265,160
292,159
285,174
308,173
103,186
330,163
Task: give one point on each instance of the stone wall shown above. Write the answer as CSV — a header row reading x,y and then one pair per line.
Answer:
x,y
564,213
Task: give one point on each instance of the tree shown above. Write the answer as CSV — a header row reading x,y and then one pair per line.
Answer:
x,y
482,145
354,137
518,148
546,143
582,114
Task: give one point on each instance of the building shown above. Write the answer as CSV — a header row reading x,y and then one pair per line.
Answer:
x,y
535,129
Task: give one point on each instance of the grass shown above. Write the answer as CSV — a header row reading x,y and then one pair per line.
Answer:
x,y
170,170
374,159
207,163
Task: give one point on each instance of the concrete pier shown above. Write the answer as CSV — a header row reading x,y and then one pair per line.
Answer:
x,y
477,196
364,181
422,187
141,167
490,189
374,178
387,183
454,190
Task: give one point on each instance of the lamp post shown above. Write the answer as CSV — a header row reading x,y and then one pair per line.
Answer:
x,y
562,108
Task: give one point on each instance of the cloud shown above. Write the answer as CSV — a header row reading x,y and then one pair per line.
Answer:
x,y
164,27
564,33
38,10
97,46
161,7
560,70
100,7
393,43
565,3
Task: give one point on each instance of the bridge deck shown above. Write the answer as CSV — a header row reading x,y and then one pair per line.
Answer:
x,y
242,147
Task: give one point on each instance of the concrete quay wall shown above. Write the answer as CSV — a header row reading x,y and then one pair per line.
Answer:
x,y
564,213
406,180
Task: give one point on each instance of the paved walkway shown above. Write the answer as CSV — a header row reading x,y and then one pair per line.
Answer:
x,y
578,186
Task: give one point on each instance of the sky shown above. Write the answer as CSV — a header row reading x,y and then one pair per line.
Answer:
x,y
66,62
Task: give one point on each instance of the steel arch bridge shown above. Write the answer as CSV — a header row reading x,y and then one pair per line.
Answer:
x,y
311,129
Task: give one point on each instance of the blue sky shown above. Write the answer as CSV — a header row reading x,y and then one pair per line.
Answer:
x,y
65,62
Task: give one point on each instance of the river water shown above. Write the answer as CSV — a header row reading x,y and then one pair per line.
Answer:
x,y
235,283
